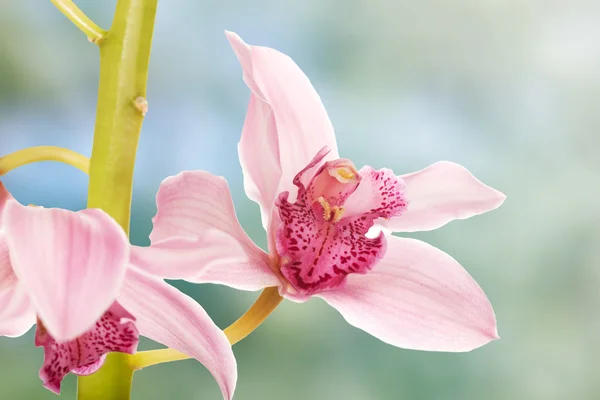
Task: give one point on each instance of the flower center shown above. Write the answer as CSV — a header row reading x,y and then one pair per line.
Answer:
x,y
322,236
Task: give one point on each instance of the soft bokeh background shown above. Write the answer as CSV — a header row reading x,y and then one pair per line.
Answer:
x,y
510,89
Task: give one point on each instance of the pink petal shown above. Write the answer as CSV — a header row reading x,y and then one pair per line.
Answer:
x,y
417,297
5,198
197,237
285,126
7,275
113,332
72,264
16,313
441,193
167,316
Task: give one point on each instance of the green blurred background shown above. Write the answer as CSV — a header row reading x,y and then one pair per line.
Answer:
x,y
510,89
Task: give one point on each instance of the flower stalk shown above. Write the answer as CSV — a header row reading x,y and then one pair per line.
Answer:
x,y
94,33
43,153
124,60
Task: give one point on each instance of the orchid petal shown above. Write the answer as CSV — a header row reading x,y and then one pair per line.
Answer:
x,y
197,237
441,193
216,258
167,316
71,263
5,198
286,123
417,297
7,275
17,315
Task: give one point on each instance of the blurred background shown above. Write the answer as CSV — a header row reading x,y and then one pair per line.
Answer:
x,y
509,89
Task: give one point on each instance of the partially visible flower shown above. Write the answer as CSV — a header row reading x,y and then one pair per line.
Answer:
x,y
327,222
70,273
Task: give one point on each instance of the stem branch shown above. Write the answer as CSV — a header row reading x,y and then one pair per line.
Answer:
x,y
43,153
94,33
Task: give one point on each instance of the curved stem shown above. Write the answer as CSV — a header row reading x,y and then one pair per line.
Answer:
x,y
266,303
94,33
43,153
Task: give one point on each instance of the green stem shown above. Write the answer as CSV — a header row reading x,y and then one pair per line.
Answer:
x,y
124,58
94,33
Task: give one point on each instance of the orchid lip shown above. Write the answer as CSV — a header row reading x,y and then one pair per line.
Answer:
x,y
115,331
319,241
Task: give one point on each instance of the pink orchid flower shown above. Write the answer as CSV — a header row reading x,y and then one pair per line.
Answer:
x,y
70,273
327,222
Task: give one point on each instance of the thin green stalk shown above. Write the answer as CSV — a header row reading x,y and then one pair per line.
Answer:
x,y
124,58
43,153
94,33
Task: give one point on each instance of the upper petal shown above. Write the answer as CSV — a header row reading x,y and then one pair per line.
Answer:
x,y
285,126
417,297
197,237
172,318
440,193
72,264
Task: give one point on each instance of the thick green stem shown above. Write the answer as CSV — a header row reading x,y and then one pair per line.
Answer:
x,y
124,58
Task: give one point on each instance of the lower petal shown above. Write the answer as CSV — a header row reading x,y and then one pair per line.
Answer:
x,y
16,312
115,331
17,315
417,297
441,193
7,275
170,317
